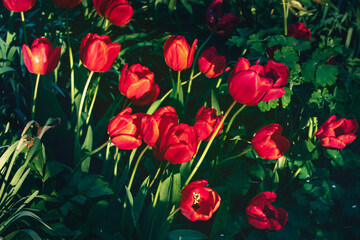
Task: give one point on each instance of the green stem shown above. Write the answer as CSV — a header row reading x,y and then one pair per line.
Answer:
x,y
178,83
237,156
285,17
136,166
170,91
92,102
172,214
209,143
24,27
232,120
107,25
71,62
101,147
35,95
219,81
156,174
82,103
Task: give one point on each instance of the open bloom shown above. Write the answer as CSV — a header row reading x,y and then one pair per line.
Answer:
x,y
119,12
210,63
262,215
137,83
269,143
206,122
178,54
19,5
198,202
335,134
299,31
69,4
221,24
279,74
178,144
98,53
124,129
41,58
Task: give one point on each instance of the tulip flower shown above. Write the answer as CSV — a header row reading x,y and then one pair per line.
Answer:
x,y
119,12
198,202
137,84
19,5
178,54
262,215
335,134
41,58
178,144
69,4
210,63
269,143
98,53
124,129
299,31
206,122
279,73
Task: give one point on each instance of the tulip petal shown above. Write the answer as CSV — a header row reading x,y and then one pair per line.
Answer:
x,y
273,93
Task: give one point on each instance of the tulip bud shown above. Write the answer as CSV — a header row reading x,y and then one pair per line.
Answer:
x,y
206,122
210,63
198,202
98,53
41,58
269,143
178,54
119,12
69,4
19,5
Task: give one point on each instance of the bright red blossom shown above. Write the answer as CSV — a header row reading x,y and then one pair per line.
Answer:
x,y
97,52
269,143
210,63
198,202
206,122
279,73
69,4
178,54
119,12
41,58
335,134
262,215
19,5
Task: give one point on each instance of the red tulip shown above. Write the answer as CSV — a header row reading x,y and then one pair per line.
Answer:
x,y
269,143
206,122
262,215
19,5
98,53
246,84
198,202
41,58
69,4
222,25
178,144
154,126
335,134
178,54
124,129
119,12
137,83
279,73
210,63
299,31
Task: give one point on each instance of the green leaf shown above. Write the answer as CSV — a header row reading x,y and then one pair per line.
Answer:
x,y
220,222
186,234
267,106
239,183
6,69
326,75
215,102
187,6
286,98
308,70
86,149
140,198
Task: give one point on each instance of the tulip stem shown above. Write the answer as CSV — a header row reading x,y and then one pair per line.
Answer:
x,y
24,27
136,166
93,101
285,17
178,84
233,157
71,62
172,214
232,120
35,95
101,147
82,103
209,143
156,174
170,91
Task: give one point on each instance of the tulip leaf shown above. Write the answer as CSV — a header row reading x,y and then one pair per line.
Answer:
x,y
221,218
140,198
186,234
6,69
187,5
215,102
86,149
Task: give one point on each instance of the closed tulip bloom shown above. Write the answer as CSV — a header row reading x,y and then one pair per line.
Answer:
x,y
269,143
210,63
19,5
299,31
178,54
98,53
69,4
119,12
137,84
41,58
246,84
262,215
279,73
206,122
335,134
124,129
178,144
199,202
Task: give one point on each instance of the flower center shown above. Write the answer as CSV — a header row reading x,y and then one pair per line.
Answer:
x,y
196,200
